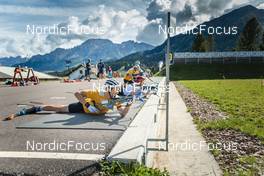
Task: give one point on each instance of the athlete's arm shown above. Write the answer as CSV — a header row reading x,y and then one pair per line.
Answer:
x,y
82,99
123,110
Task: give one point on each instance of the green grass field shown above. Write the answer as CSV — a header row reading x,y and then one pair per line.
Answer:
x,y
242,100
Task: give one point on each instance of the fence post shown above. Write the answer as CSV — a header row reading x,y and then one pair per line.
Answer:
x,y
167,84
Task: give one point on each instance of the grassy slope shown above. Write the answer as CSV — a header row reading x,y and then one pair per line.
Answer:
x,y
243,100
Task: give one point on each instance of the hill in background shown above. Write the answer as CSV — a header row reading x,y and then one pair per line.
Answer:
x,y
94,49
183,43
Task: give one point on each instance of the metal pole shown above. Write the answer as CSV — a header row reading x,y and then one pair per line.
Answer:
x,y
167,82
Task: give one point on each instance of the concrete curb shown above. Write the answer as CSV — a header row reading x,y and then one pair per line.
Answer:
x,y
132,144
180,160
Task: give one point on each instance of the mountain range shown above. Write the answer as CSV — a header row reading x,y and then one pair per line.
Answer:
x,y
92,48
130,51
9,61
183,42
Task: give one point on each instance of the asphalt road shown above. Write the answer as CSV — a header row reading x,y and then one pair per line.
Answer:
x,y
16,140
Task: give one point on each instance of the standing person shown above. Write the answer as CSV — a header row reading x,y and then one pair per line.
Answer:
x,y
110,72
100,69
88,69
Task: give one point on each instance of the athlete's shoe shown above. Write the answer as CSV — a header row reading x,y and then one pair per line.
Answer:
x,y
10,117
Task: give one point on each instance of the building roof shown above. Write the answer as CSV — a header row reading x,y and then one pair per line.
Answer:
x,y
8,72
76,68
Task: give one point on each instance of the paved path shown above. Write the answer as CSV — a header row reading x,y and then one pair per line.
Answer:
x,y
13,142
181,159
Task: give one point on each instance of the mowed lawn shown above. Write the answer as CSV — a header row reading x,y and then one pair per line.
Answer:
x,y
242,100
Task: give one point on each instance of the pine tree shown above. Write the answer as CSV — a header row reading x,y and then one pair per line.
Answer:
x,y
202,44
199,44
210,43
262,44
249,39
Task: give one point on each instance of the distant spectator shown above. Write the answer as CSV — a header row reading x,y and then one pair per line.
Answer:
x,y
100,68
110,72
88,69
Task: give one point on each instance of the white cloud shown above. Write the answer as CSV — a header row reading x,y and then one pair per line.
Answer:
x,y
47,11
124,25
150,34
71,43
120,21
189,12
118,25
261,6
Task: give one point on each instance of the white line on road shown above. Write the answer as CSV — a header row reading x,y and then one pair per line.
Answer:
x,y
58,98
51,155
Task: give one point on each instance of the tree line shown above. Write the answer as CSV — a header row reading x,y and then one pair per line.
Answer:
x,y
250,39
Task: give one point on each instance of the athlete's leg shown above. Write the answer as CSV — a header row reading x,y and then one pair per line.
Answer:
x,y
56,108
35,109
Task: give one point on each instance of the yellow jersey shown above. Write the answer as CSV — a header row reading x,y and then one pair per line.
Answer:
x,y
99,100
131,73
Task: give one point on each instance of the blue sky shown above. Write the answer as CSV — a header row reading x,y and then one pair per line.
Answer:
x,y
123,20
